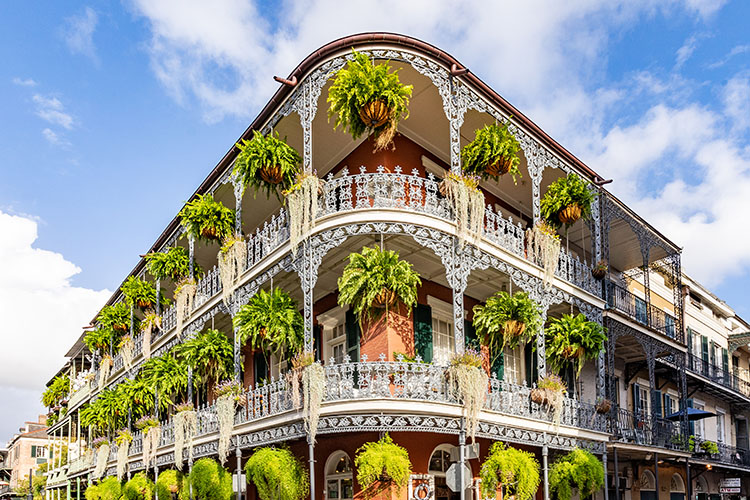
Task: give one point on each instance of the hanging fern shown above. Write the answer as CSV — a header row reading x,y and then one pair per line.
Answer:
x,y
578,469
573,339
565,192
361,83
266,152
210,481
116,317
207,219
382,464
277,474
56,392
516,471
272,322
492,145
139,487
173,264
210,354
138,292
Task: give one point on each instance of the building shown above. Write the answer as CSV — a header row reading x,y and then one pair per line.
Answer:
x,y
27,450
650,370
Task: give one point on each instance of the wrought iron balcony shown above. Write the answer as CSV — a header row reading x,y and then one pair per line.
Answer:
x,y
737,380
643,429
622,300
730,455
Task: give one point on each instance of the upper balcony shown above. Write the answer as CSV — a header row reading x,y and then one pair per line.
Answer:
x,y
623,301
642,429
726,455
728,385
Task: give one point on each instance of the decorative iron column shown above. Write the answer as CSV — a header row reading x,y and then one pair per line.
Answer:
x,y
238,191
191,255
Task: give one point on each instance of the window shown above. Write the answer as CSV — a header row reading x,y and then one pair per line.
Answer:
x,y
670,405
640,310
333,338
442,339
644,401
440,461
700,429
339,477
336,342
279,365
513,369
720,416
669,326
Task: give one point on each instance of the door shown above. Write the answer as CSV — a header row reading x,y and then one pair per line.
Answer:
x,y
741,427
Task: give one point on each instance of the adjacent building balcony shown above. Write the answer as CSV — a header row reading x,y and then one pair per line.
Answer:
x,y
642,429
727,455
735,380
635,308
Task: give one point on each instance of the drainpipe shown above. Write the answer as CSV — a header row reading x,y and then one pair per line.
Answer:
x,y
311,455
656,473
545,455
617,476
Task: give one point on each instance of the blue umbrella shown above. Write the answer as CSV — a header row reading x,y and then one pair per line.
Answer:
x,y
692,414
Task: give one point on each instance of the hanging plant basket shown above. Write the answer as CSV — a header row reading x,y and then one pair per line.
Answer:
x,y
603,406
120,327
500,167
386,298
599,271
144,304
570,214
271,174
374,113
210,233
538,396
514,328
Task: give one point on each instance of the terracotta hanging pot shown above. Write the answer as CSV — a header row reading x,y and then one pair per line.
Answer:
x,y
385,298
538,396
210,233
514,328
599,273
374,113
271,174
570,214
122,327
500,167
603,406
144,304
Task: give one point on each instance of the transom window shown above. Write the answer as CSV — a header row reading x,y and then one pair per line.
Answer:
x,y
339,477
337,342
442,339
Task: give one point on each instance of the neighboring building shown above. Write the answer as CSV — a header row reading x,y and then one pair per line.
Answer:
x,y
27,450
671,343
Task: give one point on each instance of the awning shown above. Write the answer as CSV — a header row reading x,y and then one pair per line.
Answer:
x,y
692,414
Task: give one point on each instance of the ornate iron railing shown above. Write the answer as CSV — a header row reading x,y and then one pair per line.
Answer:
x,y
623,300
726,454
737,380
643,429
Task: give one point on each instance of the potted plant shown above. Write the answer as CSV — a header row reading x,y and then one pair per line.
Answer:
x,y
375,280
572,339
506,321
173,264
277,474
492,153
566,200
210,481
599,271
207,219
266,163
169,485
271,321
382,465
139,292
116,317
151,432
367,98
543,248
227,394
184,427
550,392
578,469
709,447
514,471
603,406
56,392
139,487
302,205
468,381
467,200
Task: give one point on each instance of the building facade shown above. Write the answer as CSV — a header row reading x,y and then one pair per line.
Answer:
x,y
27,450
650,369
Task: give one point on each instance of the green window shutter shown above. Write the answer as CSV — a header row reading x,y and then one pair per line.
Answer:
x,y
423,332
704,348
317,345
33,451
636,399
658,404
260,367
498,367
470,336
532,372
352,336
725,360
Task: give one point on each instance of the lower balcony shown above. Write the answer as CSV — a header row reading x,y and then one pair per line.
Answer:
x,y
643,430
726,455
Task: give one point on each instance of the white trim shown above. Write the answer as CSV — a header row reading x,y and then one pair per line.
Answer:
x,y
332,317
433,168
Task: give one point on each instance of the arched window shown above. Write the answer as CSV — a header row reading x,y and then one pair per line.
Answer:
x,y
677,485
648,485
339,477
440,461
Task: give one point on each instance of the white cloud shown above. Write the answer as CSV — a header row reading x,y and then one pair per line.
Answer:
x,y
737,50
54,138
42,313
736,99
686,51
52,110
24,82
78,33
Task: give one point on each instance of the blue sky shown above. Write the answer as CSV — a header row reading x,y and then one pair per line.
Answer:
x,y
111,113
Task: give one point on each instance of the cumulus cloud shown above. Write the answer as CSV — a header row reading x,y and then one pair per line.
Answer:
x,y
42,312
78,33
53,111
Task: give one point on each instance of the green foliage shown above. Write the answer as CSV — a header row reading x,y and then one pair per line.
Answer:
x,y
171,484
56,392
136,395
490,321
98,339
710,447
106,413
138,291
166,375
381,462
140,487
38,483
360,83
565,191
577,469
515,470
173,264
492,144
277,474
271,321
108,489
368,273
115,317
573,339
210,354
210,480
207,219
265,152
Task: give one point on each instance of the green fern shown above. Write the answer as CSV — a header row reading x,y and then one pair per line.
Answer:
x,y
371,271
360,83
210,481
277,474
272,322
205,216
173,264
139,487
514,470
566,191
382,463
490,319
578,469
491,144
116,317
572,338
57,390
210,354
166,375
138,291
264,152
